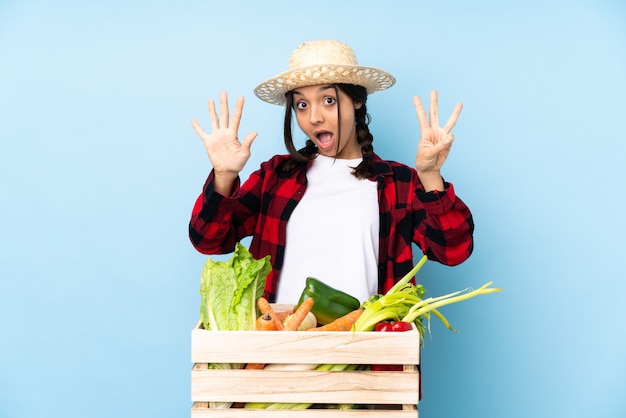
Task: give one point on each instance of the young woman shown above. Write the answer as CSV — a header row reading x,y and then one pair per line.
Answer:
x,y
333,209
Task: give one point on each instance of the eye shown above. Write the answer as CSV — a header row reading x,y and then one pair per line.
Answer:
x,y
300,105
329,100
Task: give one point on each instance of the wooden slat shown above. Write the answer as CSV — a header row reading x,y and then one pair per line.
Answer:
x,y
400,387
312,347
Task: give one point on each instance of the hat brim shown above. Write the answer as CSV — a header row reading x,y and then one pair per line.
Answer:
x,y
273,90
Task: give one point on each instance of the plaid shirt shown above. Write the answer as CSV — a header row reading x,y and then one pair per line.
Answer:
x,y
438,222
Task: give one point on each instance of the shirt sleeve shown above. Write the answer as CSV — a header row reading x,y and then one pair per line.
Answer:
x,y
212,226
447,234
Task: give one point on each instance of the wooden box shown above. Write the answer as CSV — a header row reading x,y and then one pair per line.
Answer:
x,y
384,394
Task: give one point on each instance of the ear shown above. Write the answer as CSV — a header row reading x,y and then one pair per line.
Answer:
x,y
358,105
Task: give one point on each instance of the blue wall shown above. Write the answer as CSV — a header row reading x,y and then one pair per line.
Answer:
x,y
99,168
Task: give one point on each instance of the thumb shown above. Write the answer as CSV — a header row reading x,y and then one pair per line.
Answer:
x,y
197,128
446,143
247,141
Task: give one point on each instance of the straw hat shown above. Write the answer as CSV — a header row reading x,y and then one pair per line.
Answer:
x,y
322,62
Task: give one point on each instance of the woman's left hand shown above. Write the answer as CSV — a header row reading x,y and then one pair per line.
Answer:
x,y
435,142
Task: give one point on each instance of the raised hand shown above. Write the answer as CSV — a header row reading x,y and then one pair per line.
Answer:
x,y
435,141
227,155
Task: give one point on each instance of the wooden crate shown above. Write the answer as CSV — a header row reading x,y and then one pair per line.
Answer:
x,y
385,394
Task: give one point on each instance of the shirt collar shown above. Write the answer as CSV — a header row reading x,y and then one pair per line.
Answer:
x,y
381,167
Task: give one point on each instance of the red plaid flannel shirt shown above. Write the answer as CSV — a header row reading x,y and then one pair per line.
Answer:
x,y
438,222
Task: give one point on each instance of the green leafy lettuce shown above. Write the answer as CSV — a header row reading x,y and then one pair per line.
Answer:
x,y
230,289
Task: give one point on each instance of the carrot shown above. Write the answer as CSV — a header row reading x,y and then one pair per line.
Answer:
x,y
265,308
255,366
265,322
343,323
293,321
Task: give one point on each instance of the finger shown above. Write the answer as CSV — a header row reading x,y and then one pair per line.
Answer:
x,y
434,115
197,128
224,109
247,141
447,142
453,118
442,147
234,123
215,123
421,113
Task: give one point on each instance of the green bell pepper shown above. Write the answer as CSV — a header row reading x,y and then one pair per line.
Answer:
x,y
328,303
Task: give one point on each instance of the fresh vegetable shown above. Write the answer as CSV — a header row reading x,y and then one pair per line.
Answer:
x,y
265,322
255,366
268,321
343,323
310,321
266,308
229,291
403,302
293,321
330,303
391,326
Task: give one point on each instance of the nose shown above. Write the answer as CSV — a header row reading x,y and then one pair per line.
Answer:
x,y
315,115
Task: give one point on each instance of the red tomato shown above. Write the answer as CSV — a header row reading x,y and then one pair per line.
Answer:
x,y
386,326
401,326
383,326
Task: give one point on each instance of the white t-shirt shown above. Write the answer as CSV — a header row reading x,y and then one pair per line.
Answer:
x,y
332,234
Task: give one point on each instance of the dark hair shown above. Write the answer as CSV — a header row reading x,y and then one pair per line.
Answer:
x,y
357,94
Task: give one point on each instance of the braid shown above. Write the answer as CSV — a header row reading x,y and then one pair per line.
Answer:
x,y
358,94
309,150
365,138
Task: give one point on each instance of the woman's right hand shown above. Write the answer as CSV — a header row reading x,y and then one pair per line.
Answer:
x,y
227,155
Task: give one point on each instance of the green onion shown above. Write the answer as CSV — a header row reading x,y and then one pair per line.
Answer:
x,y
403,302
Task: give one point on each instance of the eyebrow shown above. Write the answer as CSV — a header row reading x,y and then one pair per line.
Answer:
x,y
321,88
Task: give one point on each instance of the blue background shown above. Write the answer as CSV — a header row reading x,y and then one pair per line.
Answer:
x,y
99,169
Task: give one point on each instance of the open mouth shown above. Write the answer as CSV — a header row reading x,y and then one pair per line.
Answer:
x,y
324,139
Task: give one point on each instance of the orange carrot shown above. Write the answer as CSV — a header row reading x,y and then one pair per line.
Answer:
x,y
293,321
255,366
265,308
265,322
341,324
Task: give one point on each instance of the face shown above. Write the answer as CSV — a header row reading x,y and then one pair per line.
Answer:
x,y
316,109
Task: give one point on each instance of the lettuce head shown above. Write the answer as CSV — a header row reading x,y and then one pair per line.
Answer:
x,y
230,289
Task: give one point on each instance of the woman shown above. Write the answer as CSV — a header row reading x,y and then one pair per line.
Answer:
x,y
334,209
